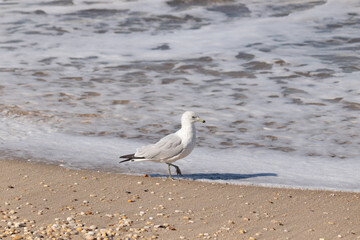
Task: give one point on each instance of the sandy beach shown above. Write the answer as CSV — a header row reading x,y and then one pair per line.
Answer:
x,y
40,201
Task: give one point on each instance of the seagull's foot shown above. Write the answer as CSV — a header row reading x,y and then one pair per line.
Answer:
x,y
178,171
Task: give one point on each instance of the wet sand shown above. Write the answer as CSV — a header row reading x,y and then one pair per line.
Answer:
x,y
44,201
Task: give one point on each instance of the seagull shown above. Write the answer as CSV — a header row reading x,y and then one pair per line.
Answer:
x,y
172,147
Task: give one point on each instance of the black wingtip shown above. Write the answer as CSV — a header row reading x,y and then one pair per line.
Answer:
x,y
130,156
126,160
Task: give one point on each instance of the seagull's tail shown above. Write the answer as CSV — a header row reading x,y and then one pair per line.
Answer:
x,y
130,157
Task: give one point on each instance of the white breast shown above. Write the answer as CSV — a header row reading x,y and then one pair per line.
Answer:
x,y
188,136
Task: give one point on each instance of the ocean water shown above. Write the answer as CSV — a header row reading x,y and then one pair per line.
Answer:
x,y
82,82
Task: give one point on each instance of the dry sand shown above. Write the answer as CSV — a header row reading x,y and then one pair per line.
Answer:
x,y
43,201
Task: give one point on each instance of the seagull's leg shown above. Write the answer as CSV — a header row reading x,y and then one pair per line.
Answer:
x,y
169,171
178,171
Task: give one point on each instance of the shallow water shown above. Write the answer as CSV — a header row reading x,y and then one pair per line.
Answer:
x,y
276,77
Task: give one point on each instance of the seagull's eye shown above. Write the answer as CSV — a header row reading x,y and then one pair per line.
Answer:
x,y
193,116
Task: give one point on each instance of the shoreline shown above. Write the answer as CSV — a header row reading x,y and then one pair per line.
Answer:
x,y
51,201
185,178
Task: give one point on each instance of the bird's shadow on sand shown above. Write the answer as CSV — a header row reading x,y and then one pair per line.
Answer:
x,y
219,176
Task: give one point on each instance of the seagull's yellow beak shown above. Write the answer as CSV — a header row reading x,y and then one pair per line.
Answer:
x,y
200,120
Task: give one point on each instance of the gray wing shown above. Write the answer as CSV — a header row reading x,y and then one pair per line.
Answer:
x,y
166,148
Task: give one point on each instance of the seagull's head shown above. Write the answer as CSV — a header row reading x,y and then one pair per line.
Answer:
x,y
191,117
